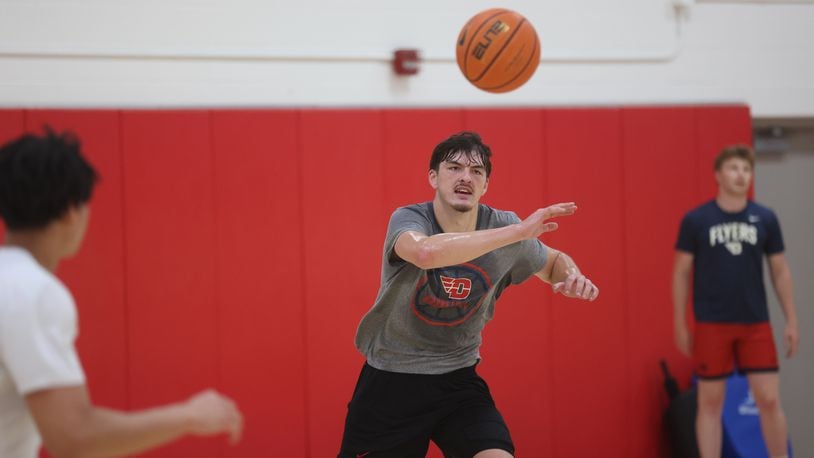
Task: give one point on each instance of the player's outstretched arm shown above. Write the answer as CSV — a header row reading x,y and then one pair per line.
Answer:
x,y
72,427
565,277
440,250
783,286
682,268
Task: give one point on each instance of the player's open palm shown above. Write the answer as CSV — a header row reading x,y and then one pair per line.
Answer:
x,y
212,413
536,224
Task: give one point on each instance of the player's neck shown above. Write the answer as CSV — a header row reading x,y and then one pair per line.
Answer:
x,y
452,220
731,203
41,247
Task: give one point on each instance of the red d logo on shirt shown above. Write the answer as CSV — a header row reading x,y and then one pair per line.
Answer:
x,y
448,296
457,288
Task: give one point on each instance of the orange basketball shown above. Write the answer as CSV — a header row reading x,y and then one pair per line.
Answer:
x,y
498,50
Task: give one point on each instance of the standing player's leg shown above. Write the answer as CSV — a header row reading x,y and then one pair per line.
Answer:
x,y
714,358
757,356
766,391
708,427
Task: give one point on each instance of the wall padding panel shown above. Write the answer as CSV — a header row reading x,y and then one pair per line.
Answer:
x,y
589,348
659,176
259,285
170,252
239,249
342,196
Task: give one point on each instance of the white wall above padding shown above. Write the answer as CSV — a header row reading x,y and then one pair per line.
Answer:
x,y
190,53
577,29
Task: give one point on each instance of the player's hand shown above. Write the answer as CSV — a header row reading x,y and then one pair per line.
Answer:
x,y
212,413
535,224
683,340
577,286
791,339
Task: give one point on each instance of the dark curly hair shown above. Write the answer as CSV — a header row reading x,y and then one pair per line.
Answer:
x,y
41,177
468,143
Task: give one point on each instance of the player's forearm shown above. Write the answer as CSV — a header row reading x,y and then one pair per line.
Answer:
x,y
562,266
681,288
783,286
452,248
106,432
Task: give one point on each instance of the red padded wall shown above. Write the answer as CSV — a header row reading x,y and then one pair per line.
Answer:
x,y
259,285
240,249
342,198
589,349
12,124
659,176
170,270
96,275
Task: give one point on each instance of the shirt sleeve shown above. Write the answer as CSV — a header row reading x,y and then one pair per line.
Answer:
x,y
402,220
774,237
686,235
38,342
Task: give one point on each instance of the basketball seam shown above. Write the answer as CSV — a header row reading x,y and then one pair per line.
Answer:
x,y
469,45
508,40
531,57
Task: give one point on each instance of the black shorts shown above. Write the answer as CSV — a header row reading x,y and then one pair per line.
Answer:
x,y
396,415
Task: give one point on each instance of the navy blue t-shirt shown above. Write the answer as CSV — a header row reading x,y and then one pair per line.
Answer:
x,y
728,263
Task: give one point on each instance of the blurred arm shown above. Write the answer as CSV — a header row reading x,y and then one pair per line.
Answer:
x,y
682,269
783,286
72,427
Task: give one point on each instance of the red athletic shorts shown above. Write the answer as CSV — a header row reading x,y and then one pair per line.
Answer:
x,y
719,347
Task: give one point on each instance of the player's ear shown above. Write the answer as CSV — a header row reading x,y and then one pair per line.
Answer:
x,y
485,186
432,177
70,216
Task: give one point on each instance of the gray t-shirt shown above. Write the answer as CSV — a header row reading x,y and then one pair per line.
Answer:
x,y
430,321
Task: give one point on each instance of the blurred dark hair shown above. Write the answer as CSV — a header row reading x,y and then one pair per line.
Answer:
x,y
41,177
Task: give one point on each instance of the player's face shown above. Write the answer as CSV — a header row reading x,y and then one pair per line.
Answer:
x,y
734,176
460,181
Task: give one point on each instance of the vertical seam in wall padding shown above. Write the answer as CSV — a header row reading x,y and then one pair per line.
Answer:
x,y
696,158
550,331
125,280
550,324
215,246
382,165
303,282
216,255
625,298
